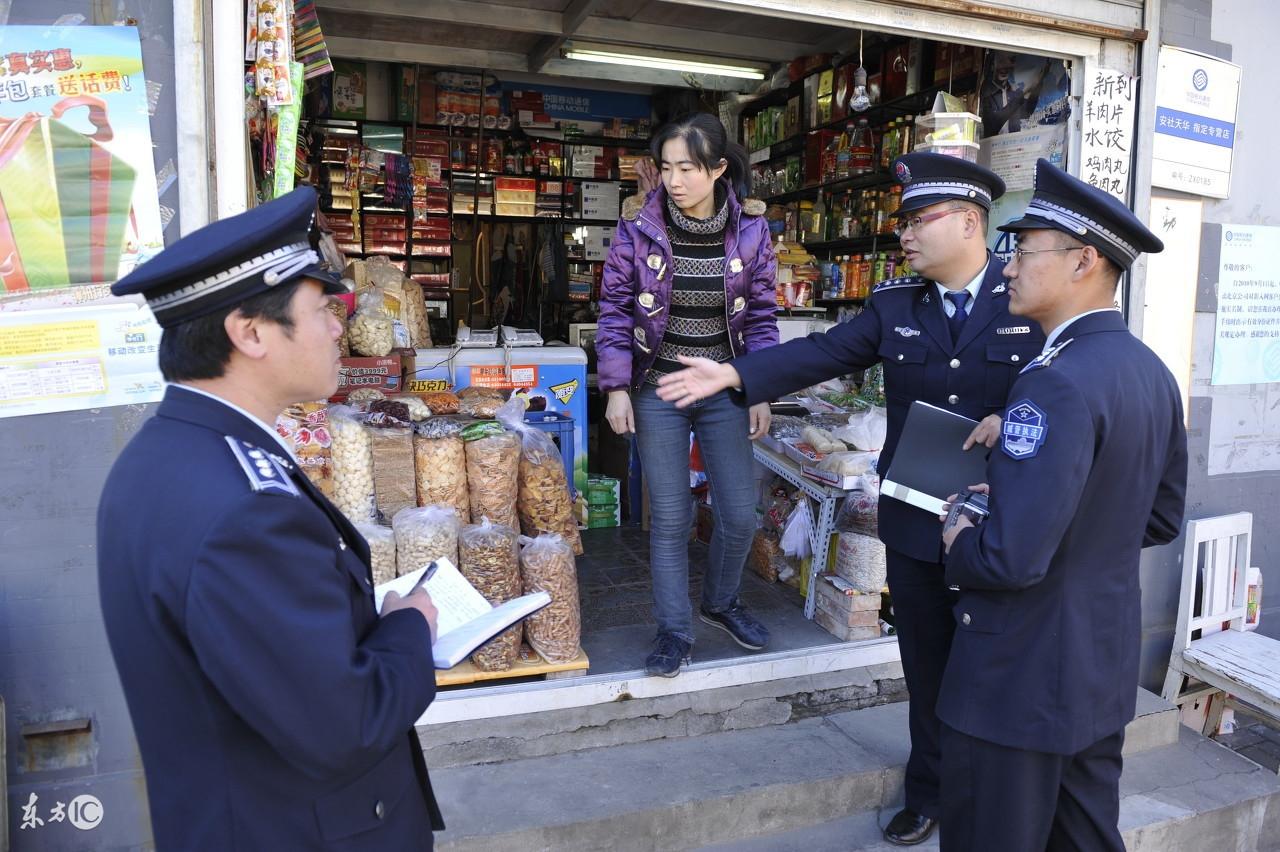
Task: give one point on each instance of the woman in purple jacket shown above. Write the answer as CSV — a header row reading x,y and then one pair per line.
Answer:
x,y
691,273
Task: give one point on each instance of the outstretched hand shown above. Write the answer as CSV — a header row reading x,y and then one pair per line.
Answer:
x,y
703,378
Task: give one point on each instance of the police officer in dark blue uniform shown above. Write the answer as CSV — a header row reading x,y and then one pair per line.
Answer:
x,y
273,706
944,336
1091,467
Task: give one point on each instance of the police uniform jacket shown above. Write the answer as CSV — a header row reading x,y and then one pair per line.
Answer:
x,y
1091,468
904,327
273,708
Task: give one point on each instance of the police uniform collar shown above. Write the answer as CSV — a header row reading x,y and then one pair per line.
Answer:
x,y
896,283
217,415
1100,319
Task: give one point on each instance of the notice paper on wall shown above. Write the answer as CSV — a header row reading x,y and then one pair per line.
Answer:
x,y
1246,343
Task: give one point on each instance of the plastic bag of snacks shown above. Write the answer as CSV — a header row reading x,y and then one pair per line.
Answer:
x,y
372,332
352,464
415,315
442,402
542,502
546,565
481,407
488,559
493,471
306,427
418,410
391,448
382,551
424,535
860,555
440,460
339,309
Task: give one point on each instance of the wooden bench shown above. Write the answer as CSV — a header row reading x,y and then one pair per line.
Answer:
x,y
1213,647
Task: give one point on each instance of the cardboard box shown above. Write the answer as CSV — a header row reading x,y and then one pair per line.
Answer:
x,y
384,374
846,606
843,632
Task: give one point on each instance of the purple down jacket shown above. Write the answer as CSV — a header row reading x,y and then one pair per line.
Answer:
x,y
636,290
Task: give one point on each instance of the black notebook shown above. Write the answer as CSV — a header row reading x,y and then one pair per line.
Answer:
x,y
929,465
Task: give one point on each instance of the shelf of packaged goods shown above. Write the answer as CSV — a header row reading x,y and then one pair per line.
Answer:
x,y
788,147
867,181
777,97
799,309
843,300
879,242
598,141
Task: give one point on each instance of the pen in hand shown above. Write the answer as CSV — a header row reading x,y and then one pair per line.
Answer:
x,y
426,575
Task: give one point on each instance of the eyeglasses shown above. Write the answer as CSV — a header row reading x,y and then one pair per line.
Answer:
x,y
914,222
1019,254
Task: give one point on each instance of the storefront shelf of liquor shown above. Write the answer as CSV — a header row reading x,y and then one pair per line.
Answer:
x,y
858,245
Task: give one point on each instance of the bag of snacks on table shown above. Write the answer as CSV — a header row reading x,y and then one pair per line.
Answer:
x,y
481,407
442,402
352,463
391,448
372,331
440,462
424,535
418,410
542,502
546,565
487,557
493,471
306,427
382,551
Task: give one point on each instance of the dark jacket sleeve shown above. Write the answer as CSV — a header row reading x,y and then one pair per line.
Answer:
x,y
1033,499
848,347
1171,495
269,616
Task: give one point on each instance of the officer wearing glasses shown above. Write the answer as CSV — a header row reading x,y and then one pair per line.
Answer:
x,y
944,336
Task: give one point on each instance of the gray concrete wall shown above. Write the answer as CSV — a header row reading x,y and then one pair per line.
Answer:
x,y
1242,31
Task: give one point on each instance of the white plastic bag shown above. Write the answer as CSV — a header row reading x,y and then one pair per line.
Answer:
x,y
866,429
795,535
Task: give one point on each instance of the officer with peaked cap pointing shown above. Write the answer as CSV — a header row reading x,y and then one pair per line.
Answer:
x,y
1090,468
943,336
273,706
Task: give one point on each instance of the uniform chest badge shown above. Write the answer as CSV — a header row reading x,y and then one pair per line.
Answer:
x,y
1014,329
735,265
907,331
1024,430
264,471
999,288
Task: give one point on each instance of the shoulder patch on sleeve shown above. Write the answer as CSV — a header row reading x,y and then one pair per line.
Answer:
x,y
1044,359
896,283
632,206
753,207
264,472
1023,431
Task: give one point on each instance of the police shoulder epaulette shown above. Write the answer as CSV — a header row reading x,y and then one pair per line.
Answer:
x,y
1044,359
895,283
266,472
753,207
632,206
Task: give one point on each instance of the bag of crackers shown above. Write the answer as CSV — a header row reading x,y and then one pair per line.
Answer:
x,y
306,426
543,502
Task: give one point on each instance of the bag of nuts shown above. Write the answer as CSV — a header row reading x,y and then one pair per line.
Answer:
x,y
372,332
440,462
391,447
382,551
425,535
339,309
352,453
487,558
493,470
546,565
543,502
415,315
442,402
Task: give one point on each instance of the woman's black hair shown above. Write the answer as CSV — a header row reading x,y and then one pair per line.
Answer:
x,y
708,144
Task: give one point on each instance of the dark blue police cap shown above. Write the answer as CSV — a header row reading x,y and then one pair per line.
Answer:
x,y
929,179
231,260
1064,203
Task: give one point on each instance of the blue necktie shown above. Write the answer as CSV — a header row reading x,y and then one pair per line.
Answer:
x,y
956,320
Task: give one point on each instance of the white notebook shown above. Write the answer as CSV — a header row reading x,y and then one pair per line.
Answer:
x,y
466,620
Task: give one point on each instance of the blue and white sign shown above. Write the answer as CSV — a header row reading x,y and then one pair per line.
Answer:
x,y
1023,431
1246,343
1196,100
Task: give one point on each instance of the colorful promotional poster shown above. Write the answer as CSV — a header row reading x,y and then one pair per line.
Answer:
x,y
1021,92
78,201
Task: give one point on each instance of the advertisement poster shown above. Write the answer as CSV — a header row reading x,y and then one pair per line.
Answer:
x,y
1021,92
76,358
1246,343
78,201
1196,101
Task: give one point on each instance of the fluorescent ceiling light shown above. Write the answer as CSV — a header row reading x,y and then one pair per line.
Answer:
x,y
664,63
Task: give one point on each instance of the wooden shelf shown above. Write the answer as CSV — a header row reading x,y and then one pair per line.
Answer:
x,y
856,244
464,672
841,301
858,182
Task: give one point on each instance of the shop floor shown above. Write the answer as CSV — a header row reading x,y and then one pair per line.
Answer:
x,y
617,623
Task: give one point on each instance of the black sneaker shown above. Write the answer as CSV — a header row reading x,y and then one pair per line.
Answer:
x,y
744,627
670,652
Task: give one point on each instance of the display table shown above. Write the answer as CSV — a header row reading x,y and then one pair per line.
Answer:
x,y
824,520
464,672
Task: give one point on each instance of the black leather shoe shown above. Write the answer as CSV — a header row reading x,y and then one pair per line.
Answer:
x,y
907,828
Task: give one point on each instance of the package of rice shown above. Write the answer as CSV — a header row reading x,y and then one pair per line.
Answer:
x,y
546,565
487,557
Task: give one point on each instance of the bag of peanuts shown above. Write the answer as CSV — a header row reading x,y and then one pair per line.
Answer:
x,y
415,315
493,470
372,330
382,551
546,565
306,427
391,447
543,503
339,309
440,462
424,535
488,559
352,453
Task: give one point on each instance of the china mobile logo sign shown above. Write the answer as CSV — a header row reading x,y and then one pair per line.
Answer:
x,y
1239,238
1200,80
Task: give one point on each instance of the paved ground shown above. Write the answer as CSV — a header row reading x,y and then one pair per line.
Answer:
x,y
1256,738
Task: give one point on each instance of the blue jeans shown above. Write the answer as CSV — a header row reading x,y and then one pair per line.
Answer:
x,y
662,434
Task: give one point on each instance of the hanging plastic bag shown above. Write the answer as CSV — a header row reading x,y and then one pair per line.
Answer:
x,y
795,540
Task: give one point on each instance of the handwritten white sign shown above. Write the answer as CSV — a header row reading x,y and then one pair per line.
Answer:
x,y
1107,132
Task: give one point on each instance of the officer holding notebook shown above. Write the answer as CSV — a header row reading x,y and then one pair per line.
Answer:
x,y
273,706
943,336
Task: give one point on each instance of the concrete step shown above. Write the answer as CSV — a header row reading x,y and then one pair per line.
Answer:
x,y
687,792
1191,795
